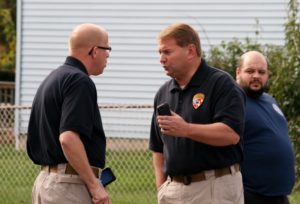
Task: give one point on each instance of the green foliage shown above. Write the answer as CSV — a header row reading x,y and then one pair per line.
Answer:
x,y
284,64
288,87
226,55
8,34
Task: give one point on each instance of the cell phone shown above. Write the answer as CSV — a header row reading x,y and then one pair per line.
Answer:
x,y
164,109
107,176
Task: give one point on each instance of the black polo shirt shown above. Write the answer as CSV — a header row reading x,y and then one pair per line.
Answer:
x,y
66,100
211,96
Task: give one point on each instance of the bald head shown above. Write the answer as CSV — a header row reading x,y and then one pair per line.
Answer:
x,y
89,44
253,57
84,37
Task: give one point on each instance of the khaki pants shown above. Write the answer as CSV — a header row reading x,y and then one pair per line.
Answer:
x,y
227,189
55,188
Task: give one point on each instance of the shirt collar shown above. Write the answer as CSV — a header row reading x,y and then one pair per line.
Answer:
x,y
196,79
72,61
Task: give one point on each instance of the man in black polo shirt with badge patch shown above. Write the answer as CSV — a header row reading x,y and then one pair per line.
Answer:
x,y
65,133
197,149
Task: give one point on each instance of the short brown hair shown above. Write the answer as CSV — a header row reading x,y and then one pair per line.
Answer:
x,y
183,35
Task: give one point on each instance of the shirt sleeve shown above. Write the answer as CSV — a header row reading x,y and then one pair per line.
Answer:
x,y
155,142
230,105
78,106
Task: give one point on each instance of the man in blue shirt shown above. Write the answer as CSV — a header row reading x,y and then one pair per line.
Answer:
x,y
268,167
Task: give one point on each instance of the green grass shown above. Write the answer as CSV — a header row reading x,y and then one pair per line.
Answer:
x,y
295,197
134,184
135,179
133,169
17,174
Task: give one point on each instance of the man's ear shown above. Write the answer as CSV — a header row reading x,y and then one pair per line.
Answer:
x,y
192,50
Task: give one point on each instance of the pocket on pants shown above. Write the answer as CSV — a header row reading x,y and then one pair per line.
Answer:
x,y
65,178
70,189
161,189
229,189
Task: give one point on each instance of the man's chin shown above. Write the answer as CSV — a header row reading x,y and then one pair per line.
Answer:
x,y
254,93
169,74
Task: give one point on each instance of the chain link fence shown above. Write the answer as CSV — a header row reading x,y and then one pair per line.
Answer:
x,y
129,158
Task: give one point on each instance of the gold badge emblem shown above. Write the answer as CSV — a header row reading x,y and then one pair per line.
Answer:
x,y
198,100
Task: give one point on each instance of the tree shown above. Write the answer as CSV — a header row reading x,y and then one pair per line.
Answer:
x,y
8,34
286,86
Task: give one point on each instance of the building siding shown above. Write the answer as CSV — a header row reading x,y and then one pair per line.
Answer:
x,y
133,73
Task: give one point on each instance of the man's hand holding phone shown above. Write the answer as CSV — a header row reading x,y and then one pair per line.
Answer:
x,y
172,126
164,109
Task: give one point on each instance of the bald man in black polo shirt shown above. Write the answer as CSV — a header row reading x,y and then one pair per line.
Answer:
x,y
197,150
65,133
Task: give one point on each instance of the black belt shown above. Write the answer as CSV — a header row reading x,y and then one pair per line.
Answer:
x,y
68,169
187,179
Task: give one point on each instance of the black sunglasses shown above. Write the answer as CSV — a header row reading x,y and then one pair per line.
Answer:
x,y
100,47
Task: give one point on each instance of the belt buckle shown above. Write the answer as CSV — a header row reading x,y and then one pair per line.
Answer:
x,y
187,180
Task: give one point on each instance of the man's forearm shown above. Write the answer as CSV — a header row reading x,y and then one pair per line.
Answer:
x,y
75,154
158,163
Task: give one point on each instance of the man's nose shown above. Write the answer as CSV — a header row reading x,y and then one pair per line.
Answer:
x,y
256,74
162,59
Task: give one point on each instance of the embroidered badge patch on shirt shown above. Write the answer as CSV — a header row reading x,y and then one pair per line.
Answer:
x,y
198,100
277,109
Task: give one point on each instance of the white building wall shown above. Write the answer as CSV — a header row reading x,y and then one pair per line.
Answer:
x,y
133,73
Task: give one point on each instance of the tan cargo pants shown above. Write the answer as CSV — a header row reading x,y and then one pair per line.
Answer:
x,y
227,189
54,188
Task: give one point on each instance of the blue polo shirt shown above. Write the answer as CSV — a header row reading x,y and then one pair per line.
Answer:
x,y
268,166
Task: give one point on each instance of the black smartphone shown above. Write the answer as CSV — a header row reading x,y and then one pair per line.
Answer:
x,y
107,176
164,109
